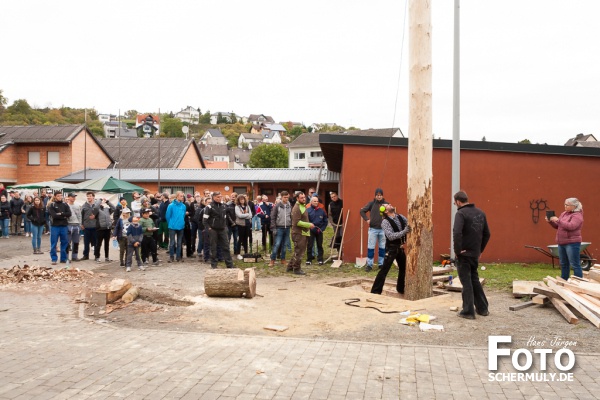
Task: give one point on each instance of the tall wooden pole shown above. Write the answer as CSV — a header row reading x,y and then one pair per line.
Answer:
x,y
419,258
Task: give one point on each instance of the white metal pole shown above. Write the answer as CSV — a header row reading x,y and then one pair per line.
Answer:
x,y
455,118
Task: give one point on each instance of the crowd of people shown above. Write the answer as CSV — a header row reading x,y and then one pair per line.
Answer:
x,y
203,225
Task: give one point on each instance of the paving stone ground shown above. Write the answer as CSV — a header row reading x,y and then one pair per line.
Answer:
x,y
48,352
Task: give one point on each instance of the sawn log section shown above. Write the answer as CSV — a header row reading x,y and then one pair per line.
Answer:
x,y
230,283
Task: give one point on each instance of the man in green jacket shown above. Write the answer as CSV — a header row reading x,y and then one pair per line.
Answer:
x,y
300,233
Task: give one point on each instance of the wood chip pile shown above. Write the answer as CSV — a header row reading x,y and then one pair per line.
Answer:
x,y
28,273
576,295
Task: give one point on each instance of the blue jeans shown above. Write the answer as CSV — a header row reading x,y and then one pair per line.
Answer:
x,y
36,236
256,223
376,236
57,232
282,236
568,255
5,223
27,225
175,233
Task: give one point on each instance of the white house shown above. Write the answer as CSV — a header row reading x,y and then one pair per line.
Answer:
x,y
189,114
213,136
227,116
251,139
305,152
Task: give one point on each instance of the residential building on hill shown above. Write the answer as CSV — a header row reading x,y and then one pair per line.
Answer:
x,y
582,140
189,114
115,129
141,119
213,136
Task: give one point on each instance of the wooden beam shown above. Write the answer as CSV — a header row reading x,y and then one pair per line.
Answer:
x,y
564,310
586,312
594,274
591,298
521,306
546,291
524,288
540,299
581,288
589,304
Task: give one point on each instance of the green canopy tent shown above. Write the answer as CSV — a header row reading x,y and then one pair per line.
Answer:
x,y
42,185
108,184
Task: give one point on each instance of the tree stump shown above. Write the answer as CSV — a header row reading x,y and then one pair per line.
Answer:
x,y
230,283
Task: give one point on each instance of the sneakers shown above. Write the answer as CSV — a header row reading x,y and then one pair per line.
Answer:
x,y
141,267
171,259
53,263
308,263
484,314
299,272
122,264
272,263
145,263
98,260
320,262
128,269
107,260
239,257
85,258
156,262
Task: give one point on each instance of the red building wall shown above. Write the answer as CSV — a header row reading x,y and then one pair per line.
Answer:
x,y
503,184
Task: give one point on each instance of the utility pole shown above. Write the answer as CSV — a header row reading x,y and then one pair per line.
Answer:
x,y
419,258
455,120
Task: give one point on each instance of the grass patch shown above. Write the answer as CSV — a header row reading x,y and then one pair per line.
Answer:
x,y
497,276
501,276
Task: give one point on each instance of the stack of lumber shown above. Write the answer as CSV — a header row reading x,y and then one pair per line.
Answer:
x,y
581,295
27,273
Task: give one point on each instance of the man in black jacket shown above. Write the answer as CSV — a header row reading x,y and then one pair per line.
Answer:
x,y
215,218
375,233
16,211
471,234
60,213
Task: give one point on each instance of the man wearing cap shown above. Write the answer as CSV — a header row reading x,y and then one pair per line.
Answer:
x,y
73,229
60,213
395,226
119,209
148,243
375,235
89,224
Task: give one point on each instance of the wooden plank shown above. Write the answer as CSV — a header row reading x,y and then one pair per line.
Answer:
x,y
457,285
589,304
440,278
521,306
594,274
546,291
276,328
524,288
540,299
442,270
564,310
586,312
583,287
591,298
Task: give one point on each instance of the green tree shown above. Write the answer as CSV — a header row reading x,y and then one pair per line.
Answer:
x,y
205,118
96,128
483,139
220,119
524,141
131,114
294,132
3,102
269,156
171,127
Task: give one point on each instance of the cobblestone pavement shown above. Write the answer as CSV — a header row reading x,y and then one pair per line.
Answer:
x,y
48,352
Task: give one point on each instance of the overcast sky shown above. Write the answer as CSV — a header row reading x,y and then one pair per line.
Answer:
x,y
529,68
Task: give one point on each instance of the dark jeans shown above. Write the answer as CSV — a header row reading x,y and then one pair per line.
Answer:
x,y
266,231
392,252
318,238
244,232
148,248
102,236
175,239
569,256
472,293
219,239
89,237
282,237
194,237
232,231
187,238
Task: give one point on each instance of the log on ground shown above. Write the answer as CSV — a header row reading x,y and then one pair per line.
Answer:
x,y
231,282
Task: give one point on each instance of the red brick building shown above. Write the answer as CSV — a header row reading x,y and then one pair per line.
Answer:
x,y
513,183
45,152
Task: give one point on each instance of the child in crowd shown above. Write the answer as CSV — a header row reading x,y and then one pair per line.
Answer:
x,y
148,243
120,233
135,235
